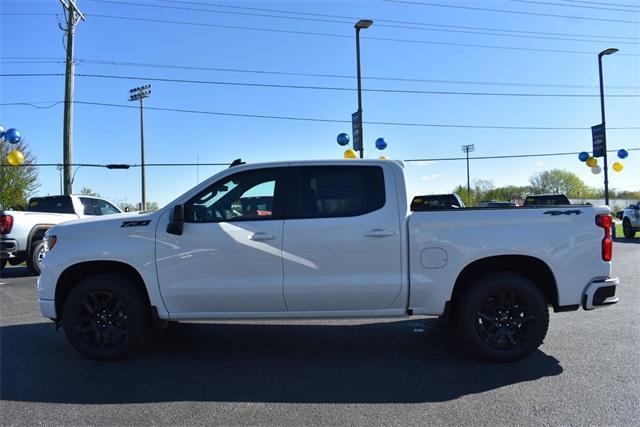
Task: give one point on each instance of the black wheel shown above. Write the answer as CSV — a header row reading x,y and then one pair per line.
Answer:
x,y
627,229
106,317
34,261
503,317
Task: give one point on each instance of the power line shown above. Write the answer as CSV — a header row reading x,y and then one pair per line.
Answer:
x,y
574,6
433,159
601,3
512,156
350,19
516,12
324,88
323,120
379,20
80,61
309,33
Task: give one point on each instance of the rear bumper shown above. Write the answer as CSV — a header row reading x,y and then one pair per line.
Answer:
x,y
8,248
600,293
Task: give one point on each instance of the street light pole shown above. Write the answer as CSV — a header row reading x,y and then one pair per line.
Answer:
x,y
363,23
468,149
604,127
138,94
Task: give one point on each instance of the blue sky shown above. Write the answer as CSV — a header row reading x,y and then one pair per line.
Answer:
x,y
111,135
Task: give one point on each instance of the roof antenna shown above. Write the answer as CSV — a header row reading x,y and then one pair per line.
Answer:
x,y
237,162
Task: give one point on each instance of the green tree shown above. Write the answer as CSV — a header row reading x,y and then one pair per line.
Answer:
x,y
89,192
559,181
17,183
479,191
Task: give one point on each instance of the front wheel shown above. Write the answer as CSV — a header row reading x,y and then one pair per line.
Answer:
x,y
106,317
503,317
627,229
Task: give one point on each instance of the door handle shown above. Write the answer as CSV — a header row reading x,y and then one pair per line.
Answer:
x,y
260,237
379,232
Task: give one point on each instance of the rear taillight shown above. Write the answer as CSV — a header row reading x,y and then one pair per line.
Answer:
x,y
6,223
605,222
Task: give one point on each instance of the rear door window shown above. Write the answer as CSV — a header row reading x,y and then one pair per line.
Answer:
x,y
336,191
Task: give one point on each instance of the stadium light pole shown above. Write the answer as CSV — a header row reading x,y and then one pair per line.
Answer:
x,y
139,94
361,24
604,127
468,149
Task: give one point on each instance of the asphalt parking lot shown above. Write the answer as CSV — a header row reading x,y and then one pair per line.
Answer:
x,y
332,372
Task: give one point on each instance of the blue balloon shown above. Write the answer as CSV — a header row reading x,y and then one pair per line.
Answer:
x,y
381,144
343,139
583,156
1,131
623,154
13,136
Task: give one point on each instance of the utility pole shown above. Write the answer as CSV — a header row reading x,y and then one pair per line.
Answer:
x,y
468,149
135,94
72,16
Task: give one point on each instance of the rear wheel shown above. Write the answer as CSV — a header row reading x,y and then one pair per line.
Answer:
x,y
503,317
34,261
627,229
106,317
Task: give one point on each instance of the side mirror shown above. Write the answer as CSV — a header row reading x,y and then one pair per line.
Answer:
x,y
176,222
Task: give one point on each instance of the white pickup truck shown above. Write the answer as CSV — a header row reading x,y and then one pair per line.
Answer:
x,y
324,239
631,220
21,232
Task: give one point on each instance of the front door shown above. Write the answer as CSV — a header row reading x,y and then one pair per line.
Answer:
x,y
229,257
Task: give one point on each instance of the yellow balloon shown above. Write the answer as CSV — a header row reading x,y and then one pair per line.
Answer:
x,y
617,166
350,154
15,158
383,157
592,161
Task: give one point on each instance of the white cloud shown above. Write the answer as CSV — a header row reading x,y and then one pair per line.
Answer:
x,y
423,163
430,177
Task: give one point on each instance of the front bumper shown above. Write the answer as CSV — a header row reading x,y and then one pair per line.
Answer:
x,y
600,293
48,308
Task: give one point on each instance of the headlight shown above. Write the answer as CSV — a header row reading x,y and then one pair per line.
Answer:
x,y
49,242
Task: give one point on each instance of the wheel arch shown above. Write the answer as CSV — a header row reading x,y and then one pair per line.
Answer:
x,y
72,275
530,267
36,233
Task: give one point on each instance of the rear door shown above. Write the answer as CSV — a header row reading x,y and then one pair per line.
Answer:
x,y
342,244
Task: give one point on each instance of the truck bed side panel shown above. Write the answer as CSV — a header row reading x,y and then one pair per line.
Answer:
x,y
442,244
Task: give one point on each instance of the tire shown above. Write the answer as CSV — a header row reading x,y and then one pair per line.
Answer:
x,y
106,317
628,231
503,317
34,260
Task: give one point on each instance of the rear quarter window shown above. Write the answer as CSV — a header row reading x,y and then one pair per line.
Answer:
x,y
60,204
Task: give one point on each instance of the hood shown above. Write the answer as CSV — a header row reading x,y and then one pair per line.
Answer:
x,y
121,220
